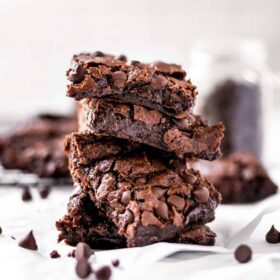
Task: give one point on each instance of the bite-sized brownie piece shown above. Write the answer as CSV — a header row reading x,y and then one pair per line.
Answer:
x,y
159,86
148,197
239,177
36,146
85,223
189,137
239,106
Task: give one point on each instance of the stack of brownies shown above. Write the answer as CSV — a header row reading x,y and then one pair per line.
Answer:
x,y
129,159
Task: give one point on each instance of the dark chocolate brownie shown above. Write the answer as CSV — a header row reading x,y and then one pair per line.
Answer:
x,y
36,146
189,137
239,177
85,223
148,197
158,86
238,105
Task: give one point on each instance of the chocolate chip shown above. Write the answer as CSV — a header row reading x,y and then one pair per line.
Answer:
x,y
136,63
13,237
115,263
122,58
28,242
273,236
125,198
26,194
83,268
158,192
119,78
83,251
128,216
54,254
1,230
176,201
243,253
103,273
77,73
189,178
202,194
44,191
161,209
98,54
158,82
72,254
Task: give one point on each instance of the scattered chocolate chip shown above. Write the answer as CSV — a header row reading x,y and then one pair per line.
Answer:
x,y
119,78
202,194
125,198
98,54
189,178
116,263
77,73
1,230
54,254
83,268
243,253
273,236
44,191
176,201
158,192
26,194
28,242
83,251
161,209
72,254
122,58
136,63
13,237
103,273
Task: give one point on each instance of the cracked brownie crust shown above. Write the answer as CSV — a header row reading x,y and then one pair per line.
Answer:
x,y
159,86
189,137
85,223
148,198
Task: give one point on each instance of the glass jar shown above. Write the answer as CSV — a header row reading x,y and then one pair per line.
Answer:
x,y
233,85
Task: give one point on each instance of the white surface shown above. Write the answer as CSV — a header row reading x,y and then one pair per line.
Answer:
x,y
234,225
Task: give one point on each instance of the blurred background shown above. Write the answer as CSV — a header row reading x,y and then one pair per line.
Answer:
x,y
38,39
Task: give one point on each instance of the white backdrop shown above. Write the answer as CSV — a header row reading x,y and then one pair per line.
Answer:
x,y
38,38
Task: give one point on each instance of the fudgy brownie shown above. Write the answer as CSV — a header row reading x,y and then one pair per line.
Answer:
x,y
148,197
189,137
239,177
239,106
158,86
36,146
85,223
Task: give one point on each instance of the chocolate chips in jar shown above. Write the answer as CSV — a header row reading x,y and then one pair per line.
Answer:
x,y
238,105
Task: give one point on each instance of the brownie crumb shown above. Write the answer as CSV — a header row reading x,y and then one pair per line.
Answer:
x,y
83,268
26,194
83,251
273,236
28,242
54,254
243,254
13,237
72,254
103,273
116,263
44,191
